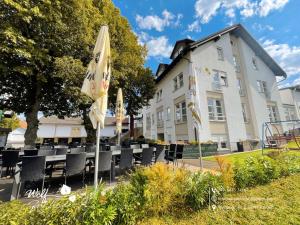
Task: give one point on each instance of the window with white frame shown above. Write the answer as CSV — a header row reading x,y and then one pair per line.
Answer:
x,y
168,113
215,109
240,87
219,80
236,64
262,86
290,113
220,53
273,116
244,111
178,81
160,115
254,63
180,112
148,121
159,95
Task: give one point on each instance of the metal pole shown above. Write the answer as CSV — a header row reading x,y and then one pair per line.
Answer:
x,y
200,151
97,156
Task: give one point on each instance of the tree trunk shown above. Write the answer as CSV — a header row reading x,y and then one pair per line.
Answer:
x,y
131,125
32,116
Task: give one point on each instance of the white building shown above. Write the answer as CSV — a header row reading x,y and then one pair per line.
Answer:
x,y
62,131
237,86
290,97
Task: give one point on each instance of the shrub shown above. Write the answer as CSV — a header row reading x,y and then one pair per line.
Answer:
x,y
226,170
204,189
14,212
127,204
164,189
85,208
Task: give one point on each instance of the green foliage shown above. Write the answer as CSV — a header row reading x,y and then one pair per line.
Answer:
x,y
126,203
204,189
87,208
13,213
45,48
11,123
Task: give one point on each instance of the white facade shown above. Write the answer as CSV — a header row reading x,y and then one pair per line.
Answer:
x,y
229,114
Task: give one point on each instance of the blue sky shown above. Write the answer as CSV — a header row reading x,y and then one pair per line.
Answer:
x,y
274,23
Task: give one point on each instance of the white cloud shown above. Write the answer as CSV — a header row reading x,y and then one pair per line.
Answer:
x,y
266,6
158,23
287,56
157,46
260,27
205,10
194,27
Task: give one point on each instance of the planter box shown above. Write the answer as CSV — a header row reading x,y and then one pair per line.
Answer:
x,y
192,151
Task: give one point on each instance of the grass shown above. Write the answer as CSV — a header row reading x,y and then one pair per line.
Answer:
x,y
275,203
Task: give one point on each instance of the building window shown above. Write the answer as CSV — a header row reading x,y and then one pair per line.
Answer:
x,y
180,112
289,113
148,122
219,79
262,86
244,111
178,81
236,64
153,119
160,118
254,63
240,87
220,53
273,116
159,95
215,109
168,113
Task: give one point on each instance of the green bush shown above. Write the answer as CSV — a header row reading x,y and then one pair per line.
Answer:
x,y
127,204
204,189
85,208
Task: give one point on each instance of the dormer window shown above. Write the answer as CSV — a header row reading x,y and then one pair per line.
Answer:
x,y
220,53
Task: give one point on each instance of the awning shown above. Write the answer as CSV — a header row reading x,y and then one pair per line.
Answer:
x,y
61,131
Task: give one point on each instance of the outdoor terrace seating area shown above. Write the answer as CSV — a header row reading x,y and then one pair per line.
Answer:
x,y
49,166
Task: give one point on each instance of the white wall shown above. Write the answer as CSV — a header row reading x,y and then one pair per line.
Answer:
x,y
258,101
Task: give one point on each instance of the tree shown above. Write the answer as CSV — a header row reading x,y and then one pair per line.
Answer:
x,y
44,51
11,123
138,89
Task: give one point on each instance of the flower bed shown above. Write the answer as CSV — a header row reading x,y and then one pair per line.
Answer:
x,y
153,191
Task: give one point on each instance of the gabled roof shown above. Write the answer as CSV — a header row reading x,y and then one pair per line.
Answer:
x,y
237,30
183,42
161,67
295,87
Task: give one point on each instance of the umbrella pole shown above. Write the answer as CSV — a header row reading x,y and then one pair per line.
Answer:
x,y
97,156
119,138
200,150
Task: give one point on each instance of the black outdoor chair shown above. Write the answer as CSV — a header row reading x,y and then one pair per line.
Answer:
x,y
75,164
126,158
46,152
160,153
170,153
30,152
9,160
77,150
104,164
33,169
61,151
176,155
147,156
